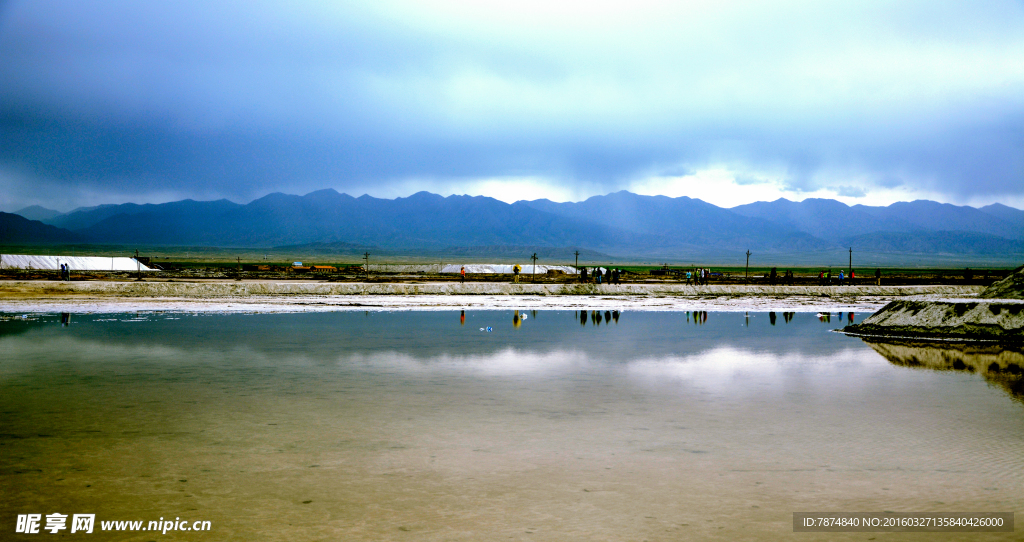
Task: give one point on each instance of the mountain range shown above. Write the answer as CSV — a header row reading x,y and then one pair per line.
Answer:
x,y
621,224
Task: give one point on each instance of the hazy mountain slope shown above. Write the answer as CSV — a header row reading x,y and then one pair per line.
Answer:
x,y
422,220
619,224
88,218
175,223
35,212
933,216
938,242
682,222
835,221
16,229
1014,217
824,218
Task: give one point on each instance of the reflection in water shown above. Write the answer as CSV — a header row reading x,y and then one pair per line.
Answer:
x,y
771,318
1000,365
596,317
388,426
65,319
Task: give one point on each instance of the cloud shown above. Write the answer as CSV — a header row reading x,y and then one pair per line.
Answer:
x,y
851,191
146,100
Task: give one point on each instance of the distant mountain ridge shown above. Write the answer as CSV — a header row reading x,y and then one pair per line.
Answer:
x,y
620,224
36,212
830,219
16,229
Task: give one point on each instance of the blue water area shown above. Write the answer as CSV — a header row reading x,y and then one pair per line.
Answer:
x,y
572,425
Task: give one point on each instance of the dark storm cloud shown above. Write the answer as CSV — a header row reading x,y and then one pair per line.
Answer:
x,y
140,100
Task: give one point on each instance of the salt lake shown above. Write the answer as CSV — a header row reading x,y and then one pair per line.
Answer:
x,y
493,424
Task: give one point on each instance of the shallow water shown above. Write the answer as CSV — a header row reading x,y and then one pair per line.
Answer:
x,y
417,425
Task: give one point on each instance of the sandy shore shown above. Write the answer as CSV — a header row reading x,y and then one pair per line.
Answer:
x,y
265,296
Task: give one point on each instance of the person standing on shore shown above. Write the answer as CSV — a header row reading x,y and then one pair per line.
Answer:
x,y
463,274
878,277
583,275
515,272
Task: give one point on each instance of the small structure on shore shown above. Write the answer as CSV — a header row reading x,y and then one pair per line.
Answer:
x,y
76,263
506,269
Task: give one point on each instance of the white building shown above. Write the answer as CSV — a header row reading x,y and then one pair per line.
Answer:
x,y
76,263
506,269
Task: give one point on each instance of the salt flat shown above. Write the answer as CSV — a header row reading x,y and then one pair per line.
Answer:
x,y
294,296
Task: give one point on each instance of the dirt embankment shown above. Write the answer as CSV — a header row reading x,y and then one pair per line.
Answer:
x,y
999,316
1012,287
991,321
213,290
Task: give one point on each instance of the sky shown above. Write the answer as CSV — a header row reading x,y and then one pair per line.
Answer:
x,y
730,102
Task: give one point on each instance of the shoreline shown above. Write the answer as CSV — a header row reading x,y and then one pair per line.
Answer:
x,y
263,296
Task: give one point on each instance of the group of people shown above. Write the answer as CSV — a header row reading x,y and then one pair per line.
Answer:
x,y
774,277
698,276
599,276
65,272
826,278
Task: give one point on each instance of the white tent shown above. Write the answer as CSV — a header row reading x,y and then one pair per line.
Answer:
x,y
76,263
503,269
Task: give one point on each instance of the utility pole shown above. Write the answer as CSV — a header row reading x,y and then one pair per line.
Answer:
x,y
850,270
138,266
746,274
577,253
534,279
239,260
366,256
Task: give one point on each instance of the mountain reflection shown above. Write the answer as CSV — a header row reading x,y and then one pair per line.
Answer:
x,y
1000,365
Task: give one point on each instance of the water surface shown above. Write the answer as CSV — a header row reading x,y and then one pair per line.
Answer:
x,y
426,426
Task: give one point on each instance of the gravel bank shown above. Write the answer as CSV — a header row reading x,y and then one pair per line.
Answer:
x,y
258,296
